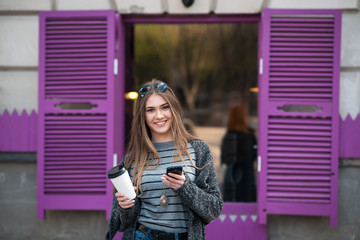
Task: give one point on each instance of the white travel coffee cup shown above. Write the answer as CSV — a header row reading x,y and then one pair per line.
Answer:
x,y
120,178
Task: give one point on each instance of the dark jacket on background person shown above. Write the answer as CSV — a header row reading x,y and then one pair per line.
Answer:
x,y
202,199
238,152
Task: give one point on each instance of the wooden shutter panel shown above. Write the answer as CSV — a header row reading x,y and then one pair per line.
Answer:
x,y
76,109
299,95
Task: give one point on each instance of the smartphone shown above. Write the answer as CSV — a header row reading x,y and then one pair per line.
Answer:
x,y
175,169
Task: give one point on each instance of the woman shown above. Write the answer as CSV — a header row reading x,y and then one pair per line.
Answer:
x,y
238,152
167,206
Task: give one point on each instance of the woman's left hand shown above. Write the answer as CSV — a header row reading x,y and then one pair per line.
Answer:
x,y
174,180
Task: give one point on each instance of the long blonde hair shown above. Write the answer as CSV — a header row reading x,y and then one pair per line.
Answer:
x,y
140,151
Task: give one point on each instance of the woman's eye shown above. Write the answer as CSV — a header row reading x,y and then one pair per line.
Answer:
x,y
166,107
149,110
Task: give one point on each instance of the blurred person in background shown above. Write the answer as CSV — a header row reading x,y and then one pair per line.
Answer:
x,y
238,152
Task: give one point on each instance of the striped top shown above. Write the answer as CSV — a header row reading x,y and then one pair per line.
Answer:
x,y
172,218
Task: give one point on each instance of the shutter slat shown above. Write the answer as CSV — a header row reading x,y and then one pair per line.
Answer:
x,y
297,200
94,163
60,61
75,36
51,28
299,166
74,65
300,144
300,189
318,184
302,84
78,83
301,39
302,161
56,51
305,29
297,148
276,23
73,77
301,34
310,20
296,172
303,121
302,138
299,177
82,67
302,96
299,155
301,54
52,43
87,149
298,195
310,45
304,127
92,158
300,133
75,45
76,172
69,32
75,55
88,87
300,69
56,22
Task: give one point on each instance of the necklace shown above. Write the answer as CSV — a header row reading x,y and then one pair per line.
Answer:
x,y
164,200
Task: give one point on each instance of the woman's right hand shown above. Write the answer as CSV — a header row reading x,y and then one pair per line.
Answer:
x,y
124,201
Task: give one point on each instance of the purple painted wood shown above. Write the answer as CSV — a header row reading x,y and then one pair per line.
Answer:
x,y
350,137
298,153
237,221
119,100
18,132
183,19
76,144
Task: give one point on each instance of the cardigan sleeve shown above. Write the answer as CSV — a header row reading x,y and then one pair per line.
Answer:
x,y
203,196
120,218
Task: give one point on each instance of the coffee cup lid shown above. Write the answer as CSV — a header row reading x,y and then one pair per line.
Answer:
x,y
116,171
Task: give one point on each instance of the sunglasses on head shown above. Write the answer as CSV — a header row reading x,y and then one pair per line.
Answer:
x,y
159,86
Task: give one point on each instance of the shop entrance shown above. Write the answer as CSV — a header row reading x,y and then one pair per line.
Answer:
x,y
211,63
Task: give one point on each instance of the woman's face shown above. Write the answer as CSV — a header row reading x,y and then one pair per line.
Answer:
x,y
159,118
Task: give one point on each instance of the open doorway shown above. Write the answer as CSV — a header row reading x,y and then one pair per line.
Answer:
x,y
211,67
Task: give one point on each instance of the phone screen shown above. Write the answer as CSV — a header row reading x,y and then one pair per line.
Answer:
x,y
176,169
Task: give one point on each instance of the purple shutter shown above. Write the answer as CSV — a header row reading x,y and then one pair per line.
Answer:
x,y
298,96
76,110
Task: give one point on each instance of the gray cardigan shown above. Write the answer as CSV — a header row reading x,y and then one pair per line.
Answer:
x,y
202,200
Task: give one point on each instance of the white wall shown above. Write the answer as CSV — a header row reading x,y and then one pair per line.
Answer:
x,y
18,90
18,62
350,65
19,39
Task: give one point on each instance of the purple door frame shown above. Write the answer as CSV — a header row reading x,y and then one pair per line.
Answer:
x,y
241,219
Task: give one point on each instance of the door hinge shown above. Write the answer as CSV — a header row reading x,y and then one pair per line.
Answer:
x,y
115,66
259,164
115,159
261,66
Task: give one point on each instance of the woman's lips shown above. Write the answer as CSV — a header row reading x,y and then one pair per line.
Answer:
x,y
160,124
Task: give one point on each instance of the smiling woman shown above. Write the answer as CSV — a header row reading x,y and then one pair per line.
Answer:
x,y
168,205
158,118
